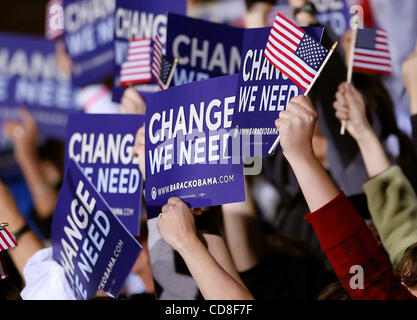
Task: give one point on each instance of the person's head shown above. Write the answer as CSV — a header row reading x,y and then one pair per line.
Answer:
x,y
408,269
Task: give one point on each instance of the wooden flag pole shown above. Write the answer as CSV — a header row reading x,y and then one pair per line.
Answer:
x,y
350,63
276,142
171,73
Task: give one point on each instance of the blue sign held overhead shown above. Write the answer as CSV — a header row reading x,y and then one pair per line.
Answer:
x,y
102,144
29,77
187,135
262,93
88,36
92,245
206,49
137,19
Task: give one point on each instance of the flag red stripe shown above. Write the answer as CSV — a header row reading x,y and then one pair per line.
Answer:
x,y
291,23
282,42
293,61
372,62
289,67
370,70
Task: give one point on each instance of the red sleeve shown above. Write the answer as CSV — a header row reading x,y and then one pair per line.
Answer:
x,y
347,241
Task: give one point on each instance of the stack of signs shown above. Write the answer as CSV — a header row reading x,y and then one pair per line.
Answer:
x,y
88,241
187,134
88,36
102,144
137,19
262,92
206,49
29,78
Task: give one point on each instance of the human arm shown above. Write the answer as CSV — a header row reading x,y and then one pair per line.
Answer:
x,y
177,227
243,233
24,137
343,235
350,106
409,70
28,243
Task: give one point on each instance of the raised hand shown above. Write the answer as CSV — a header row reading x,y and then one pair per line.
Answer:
x,y
296,126
409,70
23,134
132,102
176,224
350,106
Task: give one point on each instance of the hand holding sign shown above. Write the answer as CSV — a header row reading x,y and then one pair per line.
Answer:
x,y
176,224
296,126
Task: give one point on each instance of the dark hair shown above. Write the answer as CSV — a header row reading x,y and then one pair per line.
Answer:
x,y
334,291
408,266
8,290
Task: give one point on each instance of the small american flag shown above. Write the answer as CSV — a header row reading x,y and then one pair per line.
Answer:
x,y
372,52
6,240
3,270
294,52
137,68
161,66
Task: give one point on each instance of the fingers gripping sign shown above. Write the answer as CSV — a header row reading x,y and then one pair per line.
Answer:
x,y
176,224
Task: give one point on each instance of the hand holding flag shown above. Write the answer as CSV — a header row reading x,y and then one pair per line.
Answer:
x,y
295,54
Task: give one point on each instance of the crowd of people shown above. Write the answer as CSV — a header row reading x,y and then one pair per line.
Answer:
x,y
330,217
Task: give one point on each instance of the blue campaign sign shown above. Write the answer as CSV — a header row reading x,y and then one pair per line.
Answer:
x,y
102,144
186,139
92,245
334,13
29,77
262,92
137,19
206,49
88,36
